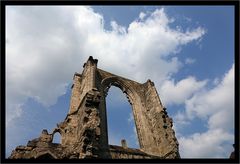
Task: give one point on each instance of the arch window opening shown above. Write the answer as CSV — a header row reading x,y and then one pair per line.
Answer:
x,y
120,121
57,138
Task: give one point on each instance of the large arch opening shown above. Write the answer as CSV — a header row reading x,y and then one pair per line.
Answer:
x,y
120,120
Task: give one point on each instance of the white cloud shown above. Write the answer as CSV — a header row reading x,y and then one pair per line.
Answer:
x,y
142,15
217,107
180,122
216,81
178,93
206,145
209,102
117,28
46,45
189,61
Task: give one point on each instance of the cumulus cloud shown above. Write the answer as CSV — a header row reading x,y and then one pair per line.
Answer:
x,y
180,120
47,44
218,99
143,43
178,93
215,105
210,144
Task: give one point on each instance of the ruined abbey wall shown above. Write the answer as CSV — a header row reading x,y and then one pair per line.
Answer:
x,y
84,130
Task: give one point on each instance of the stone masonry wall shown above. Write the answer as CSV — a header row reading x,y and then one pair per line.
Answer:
x,y
84,130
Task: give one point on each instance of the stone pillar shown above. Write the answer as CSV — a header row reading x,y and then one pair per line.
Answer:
x,y
75,97
160,125
103,125
92,66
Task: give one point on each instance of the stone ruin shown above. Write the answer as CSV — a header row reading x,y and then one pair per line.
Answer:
x,y
84,130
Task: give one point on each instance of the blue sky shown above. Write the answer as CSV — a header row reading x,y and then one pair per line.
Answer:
x,y
188,51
